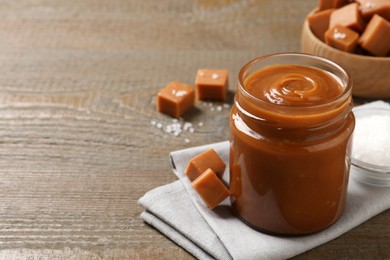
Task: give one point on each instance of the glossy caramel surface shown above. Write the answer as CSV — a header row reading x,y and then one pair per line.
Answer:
x,y
293,85
290,178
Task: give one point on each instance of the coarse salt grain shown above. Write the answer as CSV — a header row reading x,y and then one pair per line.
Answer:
x,y
187,126
339,35
180,93
369,5
219,108
187,140
214,76
371,141
175,128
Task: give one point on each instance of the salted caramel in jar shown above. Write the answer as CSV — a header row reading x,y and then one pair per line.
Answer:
x,y
291,126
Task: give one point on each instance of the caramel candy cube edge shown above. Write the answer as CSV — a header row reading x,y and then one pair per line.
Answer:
x,y
330,4
210,188
319,23
376,37
212,84
208,159
369,8
175,99
342,38
348,16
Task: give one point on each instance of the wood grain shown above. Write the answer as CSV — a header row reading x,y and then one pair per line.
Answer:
x,y
77,96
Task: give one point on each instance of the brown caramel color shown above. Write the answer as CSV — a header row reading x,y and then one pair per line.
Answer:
x,y
212,84
370,7
319,23
293,85
175,99
200,163
348,16
330,4
291,169
376,37
342,38
210,188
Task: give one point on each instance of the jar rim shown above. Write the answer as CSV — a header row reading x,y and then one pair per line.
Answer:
x,y
343,96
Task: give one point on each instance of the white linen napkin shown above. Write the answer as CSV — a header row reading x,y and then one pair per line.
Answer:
x,y
178,212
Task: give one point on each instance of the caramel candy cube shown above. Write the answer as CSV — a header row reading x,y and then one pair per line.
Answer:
x,y
175,99
342,38
330,4
212,84
319,23
348,16
376,38
370,7
210,188
200,163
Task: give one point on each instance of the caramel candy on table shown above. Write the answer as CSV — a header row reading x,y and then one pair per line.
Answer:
x,y
376,37
342,38
370,7
175,99
330,4
319,23
348,16
212,84
210,188
200,163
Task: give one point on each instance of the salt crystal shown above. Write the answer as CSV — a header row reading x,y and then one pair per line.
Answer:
x,y
214,76
153,122
369,5
159,125
191,130
339,35
200,124
180,93
168,129
175,120
187,140
371,141
201,73
212,108
187,126
219,108
226,105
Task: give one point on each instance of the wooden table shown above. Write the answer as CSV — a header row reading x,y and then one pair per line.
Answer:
x,y
78,84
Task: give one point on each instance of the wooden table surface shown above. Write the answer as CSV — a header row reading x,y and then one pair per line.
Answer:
x,y
78,81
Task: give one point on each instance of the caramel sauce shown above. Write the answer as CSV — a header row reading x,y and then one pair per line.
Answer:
x,y
293,85
290,149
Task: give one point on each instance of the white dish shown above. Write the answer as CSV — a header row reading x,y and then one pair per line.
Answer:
x,y
373,168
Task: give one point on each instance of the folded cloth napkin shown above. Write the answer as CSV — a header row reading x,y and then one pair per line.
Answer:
x,y
177,211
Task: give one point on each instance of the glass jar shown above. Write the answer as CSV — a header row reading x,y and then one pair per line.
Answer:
x,y
289,164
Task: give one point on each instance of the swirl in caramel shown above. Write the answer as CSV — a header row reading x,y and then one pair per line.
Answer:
x,y
293,85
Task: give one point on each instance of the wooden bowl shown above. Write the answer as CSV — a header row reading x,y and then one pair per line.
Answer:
x,y
370,75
